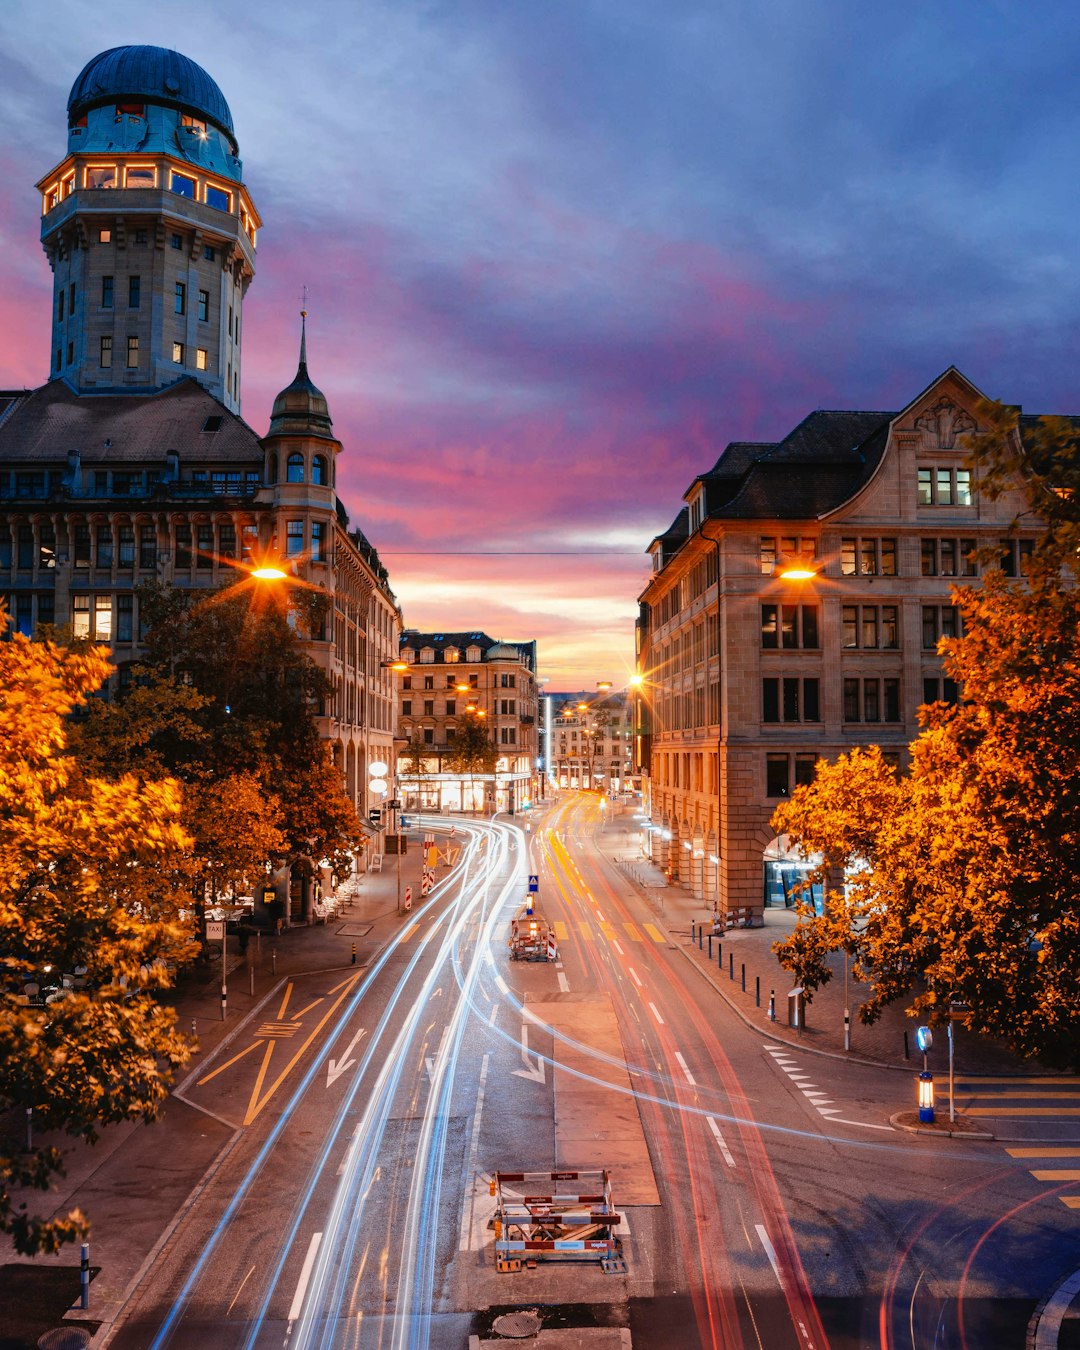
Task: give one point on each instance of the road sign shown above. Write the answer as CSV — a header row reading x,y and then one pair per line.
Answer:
x,y
374,815
534,883
393,805
215,930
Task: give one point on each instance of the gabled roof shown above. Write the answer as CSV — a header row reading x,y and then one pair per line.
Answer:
x,y
489,647
44,425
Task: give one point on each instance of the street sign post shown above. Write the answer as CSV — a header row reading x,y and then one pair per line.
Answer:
x,y
534,882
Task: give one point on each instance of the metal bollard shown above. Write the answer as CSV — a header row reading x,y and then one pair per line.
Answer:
x,y
194,1028
691,932
720,955
251,980
757,991
354,953
29,1129
742,968
772,1005
701,929
84,1277
731,965
273,961
224,1001
710,946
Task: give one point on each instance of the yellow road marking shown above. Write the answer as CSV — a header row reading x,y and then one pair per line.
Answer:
x,y
1010,1096
586,931
299,1015
607,930
1073,1201
632,932
561,931
252,1046
655,933
255,1105
284,1001
1044,1152
408,933
975,1082
1057,1174
1023,1111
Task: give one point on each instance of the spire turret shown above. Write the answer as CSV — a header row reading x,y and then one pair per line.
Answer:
x,y
301,409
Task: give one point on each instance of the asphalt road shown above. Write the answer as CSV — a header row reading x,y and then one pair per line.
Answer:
x,y
766,1201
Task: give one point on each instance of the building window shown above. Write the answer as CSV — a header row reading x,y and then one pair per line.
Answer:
x,y
104,546
318,470
126,547
208,253
180,298
204,306
451,707
789,626
429,707
134,292
227,540
104,236
125,618
60,299
940,691
870,626
1015,556
200,358
429,736
82,545
947,557
294,538
183,546
103,618
71,353
868,557
474,680
141,176
218,199
147,546
507,681
176,241
790,700
508,735
294,468
178,353
871,700
427,656
80,616
429,681
132,353
249,539
100,176
939,621
788,547
318,541
777,776
106,292
944,487
182,185
105,353
204,536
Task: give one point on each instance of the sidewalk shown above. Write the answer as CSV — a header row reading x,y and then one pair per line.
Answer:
x,y
744,955
136,1180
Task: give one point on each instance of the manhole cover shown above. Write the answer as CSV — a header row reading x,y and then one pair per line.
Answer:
x,y
516,1324
64,1338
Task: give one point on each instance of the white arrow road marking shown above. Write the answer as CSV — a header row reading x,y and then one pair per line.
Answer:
x,y
305,1275
429,1060
535,1072
336,1067
721,1143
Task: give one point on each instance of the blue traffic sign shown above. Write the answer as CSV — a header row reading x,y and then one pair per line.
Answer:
x,y
534,883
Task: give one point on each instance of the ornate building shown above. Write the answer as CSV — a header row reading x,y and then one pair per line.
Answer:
x,y
133,463
794,612
592,742
447,678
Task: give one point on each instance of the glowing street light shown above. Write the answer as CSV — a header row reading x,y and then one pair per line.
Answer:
x,y
269,573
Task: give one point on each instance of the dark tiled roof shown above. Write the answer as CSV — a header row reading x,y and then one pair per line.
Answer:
x,y
46,424
439,642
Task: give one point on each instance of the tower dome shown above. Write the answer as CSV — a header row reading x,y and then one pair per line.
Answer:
x,y
301,409
156,74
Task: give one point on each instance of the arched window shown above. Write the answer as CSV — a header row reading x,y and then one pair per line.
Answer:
x,y
271,468
295,468
318,471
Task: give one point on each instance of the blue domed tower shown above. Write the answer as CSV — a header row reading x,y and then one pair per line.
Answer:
x,y
149,229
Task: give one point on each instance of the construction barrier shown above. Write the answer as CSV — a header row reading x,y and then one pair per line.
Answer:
x,y
552,946
545,1216
531,938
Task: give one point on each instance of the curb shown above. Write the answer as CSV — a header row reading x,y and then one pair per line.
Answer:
x,y
899,1119
1044,1329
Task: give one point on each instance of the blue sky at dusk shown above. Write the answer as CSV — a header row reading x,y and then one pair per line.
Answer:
x,y
559,254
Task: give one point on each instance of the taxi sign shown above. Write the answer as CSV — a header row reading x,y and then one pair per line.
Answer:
x,y
215,930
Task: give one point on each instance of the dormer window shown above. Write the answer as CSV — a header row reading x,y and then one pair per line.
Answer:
x,y
473,654
408,655
193,123
427,655
451,654
130,110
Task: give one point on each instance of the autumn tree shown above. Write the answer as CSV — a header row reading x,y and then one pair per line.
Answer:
x,y
87,882
471,750
959,878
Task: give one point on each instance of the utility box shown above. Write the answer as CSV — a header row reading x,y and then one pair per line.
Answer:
x,y
796,1008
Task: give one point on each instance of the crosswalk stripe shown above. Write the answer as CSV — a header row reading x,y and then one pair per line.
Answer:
x,y
1022,1111
632,932
561,931
586,931
1073,1201
607,930
1044,1152
655,933
1057,1174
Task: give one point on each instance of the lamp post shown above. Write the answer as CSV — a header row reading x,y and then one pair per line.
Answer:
x,y
925,1039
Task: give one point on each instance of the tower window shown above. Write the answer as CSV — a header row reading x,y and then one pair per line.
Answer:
x,y
182,185
178,353
318,470
132,353
130,110
106,292
176,240
60,305
105,359
200,358
141,236
180,299
104,236
294,471
71,353
100,176
204,306
59,358
194,123
208,253
134,292
218,199
140,176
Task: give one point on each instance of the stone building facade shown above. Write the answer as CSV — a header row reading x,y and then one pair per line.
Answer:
x,y
114,474
592,743
446,678
794,611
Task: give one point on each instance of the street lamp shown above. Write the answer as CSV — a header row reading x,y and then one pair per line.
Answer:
x,y
925,1039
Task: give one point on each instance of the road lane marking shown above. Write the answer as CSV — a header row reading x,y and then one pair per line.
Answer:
x,y
721,1142
253,1046
970,1095
561,931
502,985
615,944
655,933
656,1013
586,931
770,1252
1057,1174
634,977
1044,1152
632,932
494,1014
564,983
305,1276
1073,1201
686,1070
600,917
1022,1111
408,933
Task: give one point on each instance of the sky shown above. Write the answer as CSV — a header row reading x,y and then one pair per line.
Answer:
x,y
560,252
